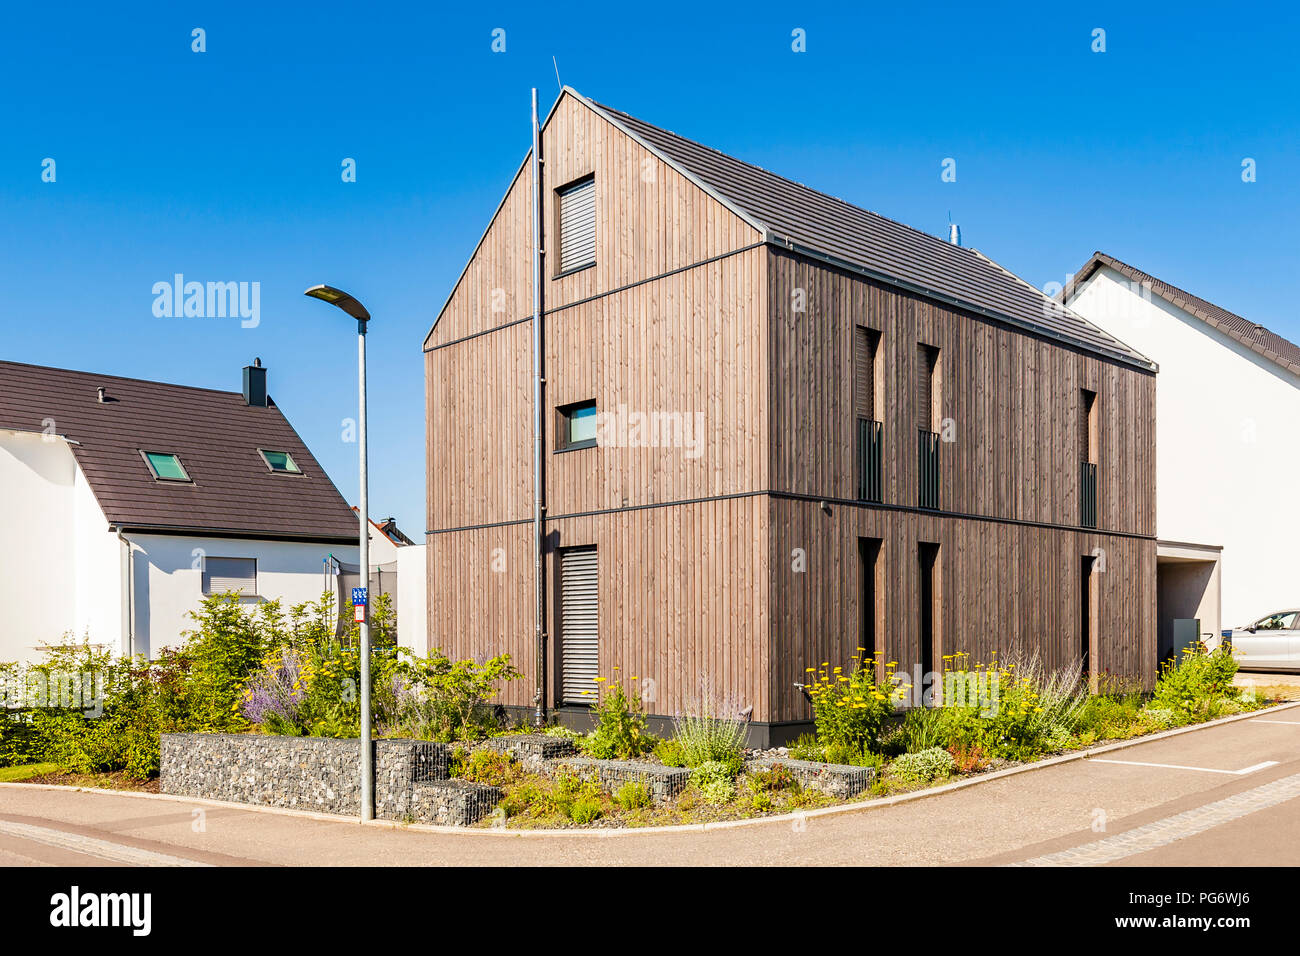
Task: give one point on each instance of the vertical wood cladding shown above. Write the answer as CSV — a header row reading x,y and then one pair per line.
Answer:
x,y
683,598
1009,402
1001,586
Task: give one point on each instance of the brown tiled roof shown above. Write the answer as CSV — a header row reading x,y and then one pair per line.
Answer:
x,y
795,216
1250,334
216,436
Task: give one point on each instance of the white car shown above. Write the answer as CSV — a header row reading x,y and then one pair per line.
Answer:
x,y
1272,643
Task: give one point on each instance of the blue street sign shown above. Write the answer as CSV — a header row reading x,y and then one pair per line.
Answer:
x,y
359,596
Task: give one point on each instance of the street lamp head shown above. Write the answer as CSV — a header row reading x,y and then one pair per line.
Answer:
x,y
327,293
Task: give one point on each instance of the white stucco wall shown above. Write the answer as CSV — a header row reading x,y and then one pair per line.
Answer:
x,y
168,578
60,566
1227,458
412,595
62,570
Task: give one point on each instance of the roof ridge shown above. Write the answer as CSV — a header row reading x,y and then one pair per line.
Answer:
x,y
119,378
1132,268
1210,313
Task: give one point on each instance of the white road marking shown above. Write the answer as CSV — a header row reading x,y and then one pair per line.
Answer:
x,y
1178,766
92,846
1261,720
1171,829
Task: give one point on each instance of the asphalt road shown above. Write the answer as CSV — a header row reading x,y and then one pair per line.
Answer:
x,y
1225,795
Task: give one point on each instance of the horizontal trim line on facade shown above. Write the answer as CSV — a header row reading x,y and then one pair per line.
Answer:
x,y
599,295
237,535
816,499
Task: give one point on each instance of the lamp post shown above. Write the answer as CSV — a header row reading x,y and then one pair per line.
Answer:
x,y
352,307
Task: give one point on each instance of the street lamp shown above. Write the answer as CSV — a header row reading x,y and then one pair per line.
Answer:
x,y
355,309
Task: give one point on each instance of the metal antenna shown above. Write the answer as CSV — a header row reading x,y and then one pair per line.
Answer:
x,y
557,74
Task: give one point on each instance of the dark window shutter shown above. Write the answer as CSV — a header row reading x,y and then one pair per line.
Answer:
x,y
1086,398
925,361
864,372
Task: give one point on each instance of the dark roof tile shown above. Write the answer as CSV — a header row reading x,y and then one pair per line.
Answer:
x,y
792,213
216,436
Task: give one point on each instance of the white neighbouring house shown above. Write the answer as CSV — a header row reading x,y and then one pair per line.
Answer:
x,y
123,502
1227,458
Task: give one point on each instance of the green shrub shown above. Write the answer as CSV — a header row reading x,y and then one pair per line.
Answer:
x,y
1198,685
436,698
485,766
926,765
710,730
585,810
806,747
620,731
670,753
716,781
633,795
924,728
850,711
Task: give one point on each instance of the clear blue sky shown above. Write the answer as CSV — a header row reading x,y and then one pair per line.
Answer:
x,y
225,165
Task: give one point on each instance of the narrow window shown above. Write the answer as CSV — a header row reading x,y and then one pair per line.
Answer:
x,y
579,626
221,575
866,348
1087,425
577,425
927,393
1087,458
1086,615
872,593
927,416
577,218
280,461
165,466
928,690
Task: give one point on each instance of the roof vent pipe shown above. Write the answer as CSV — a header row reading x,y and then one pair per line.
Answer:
x,y
954,233
255,384
99,394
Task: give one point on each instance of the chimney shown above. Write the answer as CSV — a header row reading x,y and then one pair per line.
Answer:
x,y
954,233
255,384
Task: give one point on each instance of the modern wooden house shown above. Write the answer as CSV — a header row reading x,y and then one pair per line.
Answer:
x,y
777,428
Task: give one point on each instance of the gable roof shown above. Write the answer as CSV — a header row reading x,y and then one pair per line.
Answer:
x,y
792,216
214,433
1250,334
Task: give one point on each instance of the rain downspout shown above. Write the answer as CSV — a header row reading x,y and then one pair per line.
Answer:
x,y
539,700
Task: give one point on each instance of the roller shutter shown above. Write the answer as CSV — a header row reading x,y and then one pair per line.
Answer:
x,y
230,574
577,225
579,626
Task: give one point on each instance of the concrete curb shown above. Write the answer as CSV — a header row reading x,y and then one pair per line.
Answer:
x,y
859,807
